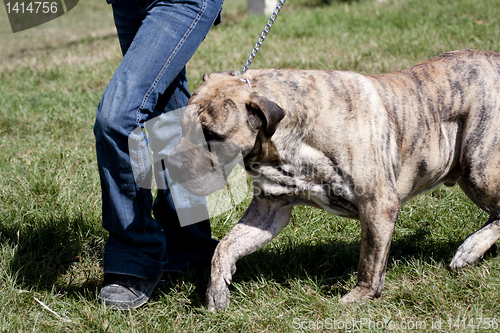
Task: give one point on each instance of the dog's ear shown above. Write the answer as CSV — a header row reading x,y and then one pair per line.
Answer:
x,y
264,113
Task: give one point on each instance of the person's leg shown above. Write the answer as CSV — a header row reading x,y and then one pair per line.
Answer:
x,y
128,16
168,36
188,246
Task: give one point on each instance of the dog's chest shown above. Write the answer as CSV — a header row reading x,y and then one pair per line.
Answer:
x,y
306,176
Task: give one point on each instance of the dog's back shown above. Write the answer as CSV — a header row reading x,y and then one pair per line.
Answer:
x,y
446,112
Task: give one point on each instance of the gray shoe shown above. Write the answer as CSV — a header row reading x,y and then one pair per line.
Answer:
x,y
125,292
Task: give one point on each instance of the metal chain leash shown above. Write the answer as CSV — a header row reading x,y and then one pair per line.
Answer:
x,y
263,35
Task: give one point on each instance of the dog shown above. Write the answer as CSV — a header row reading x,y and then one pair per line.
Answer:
x,y
354,145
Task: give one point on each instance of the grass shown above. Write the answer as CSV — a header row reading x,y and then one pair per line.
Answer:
x,y
51,241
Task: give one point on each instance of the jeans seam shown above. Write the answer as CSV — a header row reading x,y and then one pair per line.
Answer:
x,y
173,54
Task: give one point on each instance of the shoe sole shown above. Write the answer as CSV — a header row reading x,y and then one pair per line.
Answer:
x,y
117,305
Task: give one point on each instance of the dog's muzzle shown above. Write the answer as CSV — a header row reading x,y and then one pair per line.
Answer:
x,y
205,168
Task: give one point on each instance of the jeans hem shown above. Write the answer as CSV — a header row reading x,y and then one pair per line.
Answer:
x,y
119,263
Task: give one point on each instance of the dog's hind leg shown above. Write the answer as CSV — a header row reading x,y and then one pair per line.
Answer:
x,y
263,220
481,183
378,219
476,244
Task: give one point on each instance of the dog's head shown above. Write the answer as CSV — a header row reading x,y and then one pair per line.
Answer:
x,y
221,125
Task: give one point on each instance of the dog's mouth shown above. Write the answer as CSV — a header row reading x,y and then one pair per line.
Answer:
x,y
202,170
206,184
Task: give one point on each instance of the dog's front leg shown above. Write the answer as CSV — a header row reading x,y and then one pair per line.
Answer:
x,y
378,219
262,221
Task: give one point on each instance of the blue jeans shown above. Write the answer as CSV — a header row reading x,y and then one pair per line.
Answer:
x,y
157,37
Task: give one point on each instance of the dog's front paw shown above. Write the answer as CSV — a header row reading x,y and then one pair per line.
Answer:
x,y
217,295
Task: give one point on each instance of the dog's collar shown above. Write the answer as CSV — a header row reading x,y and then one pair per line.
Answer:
x,y
247,81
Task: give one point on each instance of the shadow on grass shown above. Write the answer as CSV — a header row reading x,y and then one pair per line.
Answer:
x,y
45,251
331,263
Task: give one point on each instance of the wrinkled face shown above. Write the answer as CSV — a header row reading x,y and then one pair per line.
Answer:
x,y
220,127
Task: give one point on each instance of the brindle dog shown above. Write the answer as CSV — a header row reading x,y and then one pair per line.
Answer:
x,y
354,145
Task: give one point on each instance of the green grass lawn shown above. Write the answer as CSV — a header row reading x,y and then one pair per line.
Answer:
x,y
51,241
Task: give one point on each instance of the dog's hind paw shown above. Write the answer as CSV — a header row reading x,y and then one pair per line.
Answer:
x,y
470,252
464,258
358,295
476,244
